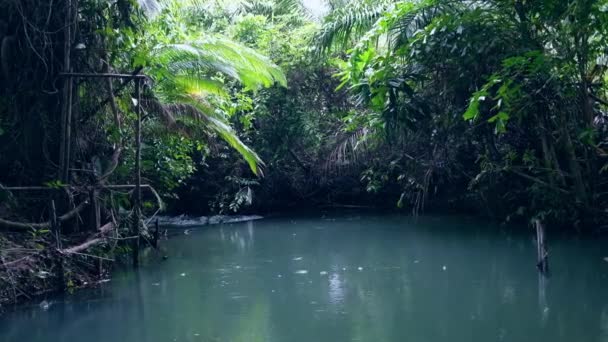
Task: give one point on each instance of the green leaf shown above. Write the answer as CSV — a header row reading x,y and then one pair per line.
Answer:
x,y
501,116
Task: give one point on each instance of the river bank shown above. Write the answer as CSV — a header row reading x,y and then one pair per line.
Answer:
x,y
33,267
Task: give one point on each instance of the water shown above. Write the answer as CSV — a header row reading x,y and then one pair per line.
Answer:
x,y
348,278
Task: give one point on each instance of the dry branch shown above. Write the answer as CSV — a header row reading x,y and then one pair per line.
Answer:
x,y
108,227
24,226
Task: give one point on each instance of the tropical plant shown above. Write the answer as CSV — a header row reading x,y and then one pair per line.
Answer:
x,y
527,69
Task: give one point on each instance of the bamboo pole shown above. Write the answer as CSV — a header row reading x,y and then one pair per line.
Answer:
x,y
137,194
156,234
67,46
103,75
56,231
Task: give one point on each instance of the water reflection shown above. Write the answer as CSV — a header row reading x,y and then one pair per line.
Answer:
x,y
357,279
336,292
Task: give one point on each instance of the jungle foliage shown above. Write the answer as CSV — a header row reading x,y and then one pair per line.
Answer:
x,y
491,107
488,106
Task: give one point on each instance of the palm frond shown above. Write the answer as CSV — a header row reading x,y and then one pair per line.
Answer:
x,y
217,54
270,8
200,87
344,24
190,109
351,150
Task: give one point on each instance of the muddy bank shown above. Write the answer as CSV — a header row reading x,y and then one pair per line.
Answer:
x,y
33,267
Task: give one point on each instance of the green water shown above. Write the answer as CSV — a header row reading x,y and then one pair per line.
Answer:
x,y
346,278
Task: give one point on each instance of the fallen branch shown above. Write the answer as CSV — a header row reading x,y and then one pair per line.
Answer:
x,y
24,226
9,264
90,243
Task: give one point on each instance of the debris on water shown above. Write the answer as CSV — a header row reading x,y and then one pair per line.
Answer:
x,y
606,259
187,232
183,274
192,221
237,267
273,291
45,305
294,234
323,273
197,334
360,268
343,268
302,272
313,303
155,284
43,274
280,276
416,261
444,268
102,281
297,259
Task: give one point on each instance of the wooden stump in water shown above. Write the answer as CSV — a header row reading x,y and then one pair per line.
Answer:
x,y
542,261
156,234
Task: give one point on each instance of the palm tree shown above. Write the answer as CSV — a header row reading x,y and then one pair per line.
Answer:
x,y
190,76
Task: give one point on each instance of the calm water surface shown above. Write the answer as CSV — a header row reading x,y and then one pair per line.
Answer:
x,y
342,278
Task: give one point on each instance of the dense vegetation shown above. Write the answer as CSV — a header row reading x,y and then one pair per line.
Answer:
x,y
491,107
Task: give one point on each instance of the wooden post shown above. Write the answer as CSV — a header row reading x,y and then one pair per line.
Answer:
x,y
55,225
541,248
156,234
137,219
67,94
95,213
68,132
56,231
66,68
